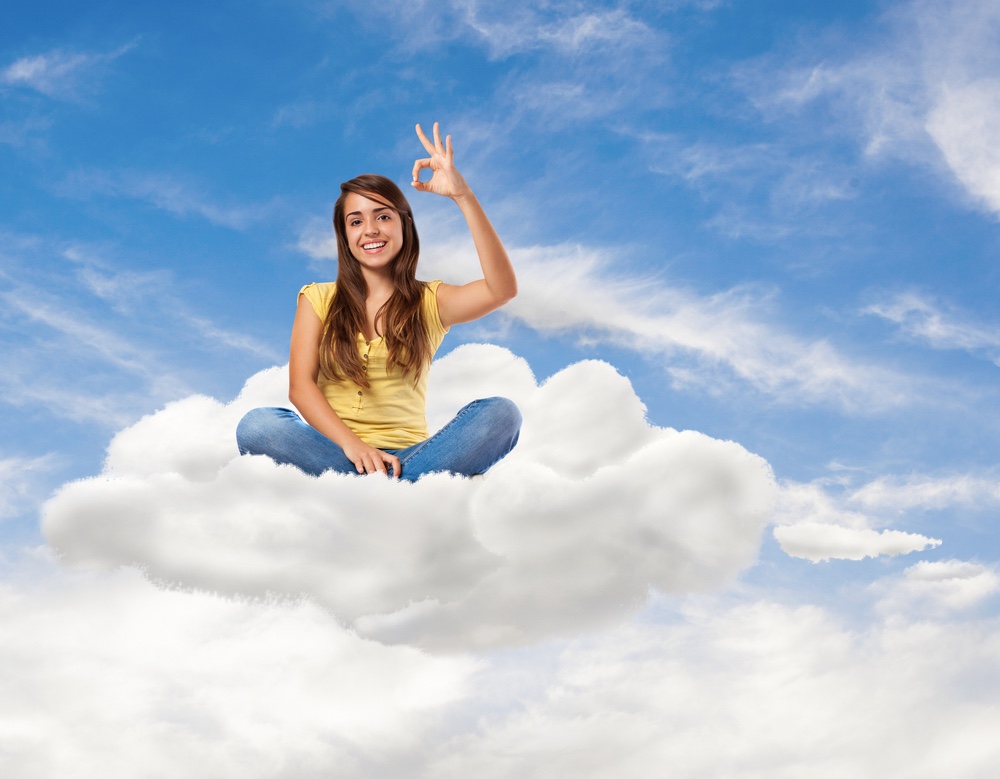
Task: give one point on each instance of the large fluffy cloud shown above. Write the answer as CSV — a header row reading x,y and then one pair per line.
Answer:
x,y
106,675
109,676
753,690
593,509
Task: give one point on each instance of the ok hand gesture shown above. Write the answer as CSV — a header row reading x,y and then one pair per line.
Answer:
x,y
445,179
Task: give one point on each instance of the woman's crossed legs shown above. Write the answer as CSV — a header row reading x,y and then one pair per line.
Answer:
x,y
481,434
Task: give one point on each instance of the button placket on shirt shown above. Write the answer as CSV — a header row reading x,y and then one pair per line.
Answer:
x,y
364,368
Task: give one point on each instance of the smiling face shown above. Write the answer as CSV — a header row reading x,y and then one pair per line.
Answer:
x,y
374,231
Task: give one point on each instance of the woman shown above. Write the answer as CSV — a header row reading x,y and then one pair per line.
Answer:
x,y
362,346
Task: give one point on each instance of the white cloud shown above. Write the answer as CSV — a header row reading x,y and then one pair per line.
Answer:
x,y
707,341
18,477
757,690
564,28
925,491
926,88
816,523
61,74
923,318
965,124
104,325
938,588
23,132
831,518
571,531
179,196
819,541
110,676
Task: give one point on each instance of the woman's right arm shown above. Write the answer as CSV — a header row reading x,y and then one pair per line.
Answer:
x,y
308,398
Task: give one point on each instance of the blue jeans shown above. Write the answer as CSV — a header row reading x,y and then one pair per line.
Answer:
x,y
480,435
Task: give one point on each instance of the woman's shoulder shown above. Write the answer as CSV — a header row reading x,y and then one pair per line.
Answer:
x,y
320,294
430,306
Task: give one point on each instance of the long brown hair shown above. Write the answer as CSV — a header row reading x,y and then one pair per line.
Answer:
x,y
401,316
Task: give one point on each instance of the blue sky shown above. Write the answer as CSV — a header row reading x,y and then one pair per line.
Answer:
x,y
778,221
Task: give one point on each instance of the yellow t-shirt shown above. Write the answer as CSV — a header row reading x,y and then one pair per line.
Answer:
x,y
392,412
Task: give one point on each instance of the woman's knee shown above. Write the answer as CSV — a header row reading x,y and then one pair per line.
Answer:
x,y
504,415
256,426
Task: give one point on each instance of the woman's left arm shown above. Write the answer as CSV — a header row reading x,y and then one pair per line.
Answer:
x,y
457,304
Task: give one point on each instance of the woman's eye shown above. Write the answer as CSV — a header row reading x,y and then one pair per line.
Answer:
x,y
383,216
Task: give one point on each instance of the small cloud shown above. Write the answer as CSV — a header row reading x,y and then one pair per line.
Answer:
x,y
922,491
507,32
814,523
939,587
922,318
18,477
817,542
178,196
60,74
593,509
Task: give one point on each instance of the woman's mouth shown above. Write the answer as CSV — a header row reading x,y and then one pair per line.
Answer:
x,y
373,246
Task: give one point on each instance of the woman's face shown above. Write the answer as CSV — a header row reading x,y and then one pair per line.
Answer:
x,y
374,231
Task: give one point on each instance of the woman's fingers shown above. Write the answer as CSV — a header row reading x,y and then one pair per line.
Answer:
x,y
393,462
425,140
419,165
377,461
435,147
445,179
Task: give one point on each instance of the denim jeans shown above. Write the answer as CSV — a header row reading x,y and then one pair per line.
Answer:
x,y
480,435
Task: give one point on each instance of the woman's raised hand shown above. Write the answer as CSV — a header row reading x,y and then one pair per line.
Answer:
x,y
445,178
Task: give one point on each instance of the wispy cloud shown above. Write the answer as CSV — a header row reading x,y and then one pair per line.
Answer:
x,y
925,87
93,319
702,338
18,477
835,518
706,341
566,28
818,521
938,588
574,61
927,491
23,132
179,196
923,318
61,74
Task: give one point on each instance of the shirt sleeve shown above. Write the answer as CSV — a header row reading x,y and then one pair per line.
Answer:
x,y
320,296
432,316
